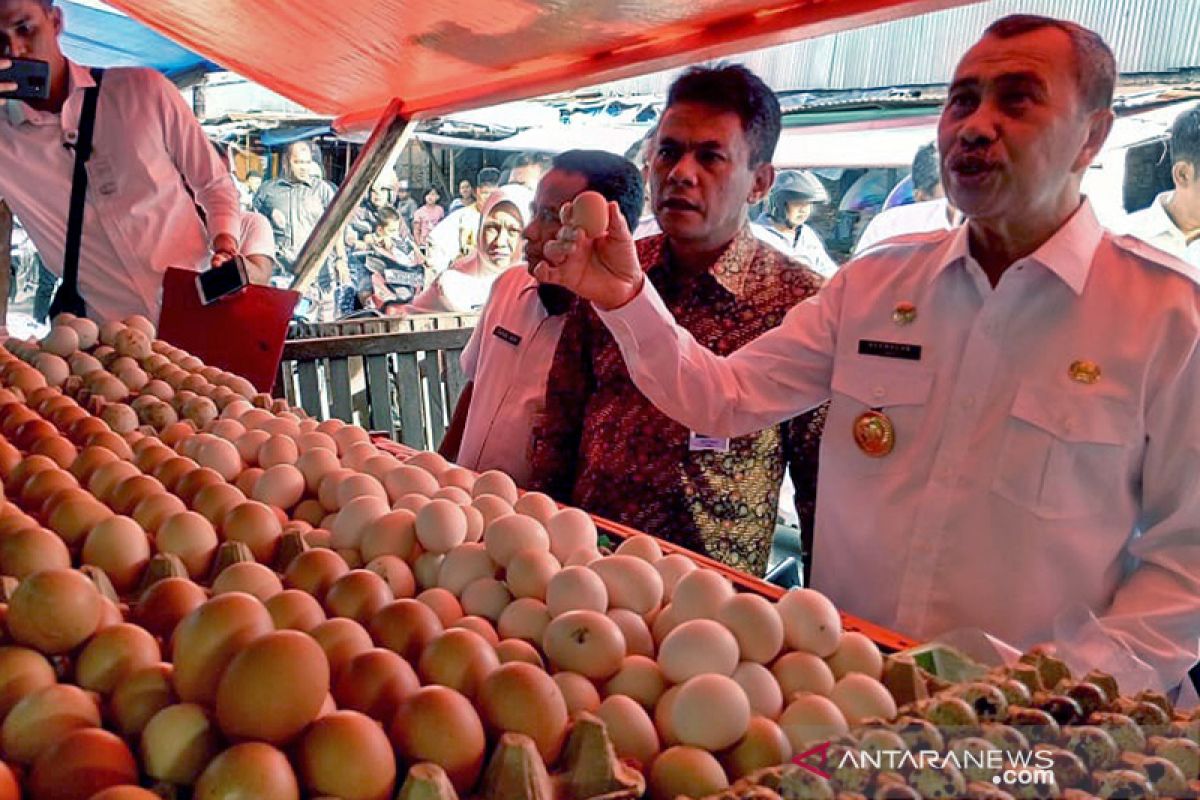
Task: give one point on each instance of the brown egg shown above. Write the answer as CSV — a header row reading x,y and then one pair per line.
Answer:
x,y
32,549
247,479
215,501
155,508
273,688
293,609
74,517
113,442
207,638
24,471
173,470
105,479
341,639
112,654
22,672
257,526
190,485
314,571
358,594
251,769
518,697
54,610
439,725
132,491
57,448
191,537
120,547
458,658
375,682
345,754
165,602
139,696
80,764
88,460
248,577
33,431
178,743
43,717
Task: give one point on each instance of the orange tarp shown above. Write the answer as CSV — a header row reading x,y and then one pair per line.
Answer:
x,y
349,58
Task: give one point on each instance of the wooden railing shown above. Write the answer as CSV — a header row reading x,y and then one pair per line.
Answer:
x,y
398,377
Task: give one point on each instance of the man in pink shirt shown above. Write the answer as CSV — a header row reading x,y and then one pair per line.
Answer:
x,y
138,219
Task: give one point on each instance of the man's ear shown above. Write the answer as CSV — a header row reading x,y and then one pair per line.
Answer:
x,y
56,18
1183,174
764,178
1099,126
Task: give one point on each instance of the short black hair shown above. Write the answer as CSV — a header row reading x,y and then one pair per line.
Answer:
x,y
612,176
386,216
1095,65
926,170
488,176
732,87
1185,137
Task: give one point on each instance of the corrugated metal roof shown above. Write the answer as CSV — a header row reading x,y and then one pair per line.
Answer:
x,y
1146,35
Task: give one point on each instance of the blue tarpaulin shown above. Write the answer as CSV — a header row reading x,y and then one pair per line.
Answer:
x,y
106,38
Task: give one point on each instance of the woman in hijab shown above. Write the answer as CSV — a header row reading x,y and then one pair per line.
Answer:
x,y
466,284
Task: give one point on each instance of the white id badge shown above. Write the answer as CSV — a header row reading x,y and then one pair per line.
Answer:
x,y
698,442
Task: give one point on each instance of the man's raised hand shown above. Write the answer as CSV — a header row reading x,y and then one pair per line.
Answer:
x,y
602,269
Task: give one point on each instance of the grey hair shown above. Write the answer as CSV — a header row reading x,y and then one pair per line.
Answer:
x,y
1095,65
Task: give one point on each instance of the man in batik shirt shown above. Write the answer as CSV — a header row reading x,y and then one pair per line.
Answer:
x,y
601,444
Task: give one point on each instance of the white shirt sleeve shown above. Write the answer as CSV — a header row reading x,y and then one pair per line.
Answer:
x,y
197,160
1156,610
784,372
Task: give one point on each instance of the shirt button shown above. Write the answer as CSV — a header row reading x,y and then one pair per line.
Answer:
x,y
878,392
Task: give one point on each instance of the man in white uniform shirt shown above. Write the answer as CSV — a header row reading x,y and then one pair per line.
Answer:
x,y
929,211
1014,440
510,352
139,219
1172,221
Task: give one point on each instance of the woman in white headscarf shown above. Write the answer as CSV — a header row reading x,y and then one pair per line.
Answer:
x,y
465,286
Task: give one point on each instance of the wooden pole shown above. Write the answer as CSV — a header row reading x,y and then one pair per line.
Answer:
x,y
391,133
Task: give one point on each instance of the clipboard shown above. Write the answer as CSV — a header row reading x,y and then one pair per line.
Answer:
x,y
243,333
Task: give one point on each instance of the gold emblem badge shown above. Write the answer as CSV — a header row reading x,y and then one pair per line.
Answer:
x,y
874,434
1084,371
904,313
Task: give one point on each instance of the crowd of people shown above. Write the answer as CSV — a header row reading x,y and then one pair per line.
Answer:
x,y
989,414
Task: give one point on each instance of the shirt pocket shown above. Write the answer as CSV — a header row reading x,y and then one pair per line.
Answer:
x,y
901,392
1065,454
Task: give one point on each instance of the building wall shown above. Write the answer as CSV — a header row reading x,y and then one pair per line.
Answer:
x,y
1146,35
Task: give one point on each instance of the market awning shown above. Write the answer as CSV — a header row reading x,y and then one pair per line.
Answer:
x,y
98,36
350,58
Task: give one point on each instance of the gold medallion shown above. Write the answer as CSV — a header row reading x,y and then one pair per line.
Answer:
x,y
904,313
1084,371
874,434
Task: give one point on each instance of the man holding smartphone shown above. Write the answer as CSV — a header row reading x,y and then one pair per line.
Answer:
x,y
138,217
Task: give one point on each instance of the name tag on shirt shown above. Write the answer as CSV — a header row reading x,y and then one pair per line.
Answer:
x,y
908,352
698,442
507,335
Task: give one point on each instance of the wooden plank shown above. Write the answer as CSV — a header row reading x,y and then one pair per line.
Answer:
x,y
339,389
456,380
378,394
434,391
287,372
310,388
375,344
412,416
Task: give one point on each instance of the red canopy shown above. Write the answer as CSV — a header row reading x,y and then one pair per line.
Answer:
x,y
349,58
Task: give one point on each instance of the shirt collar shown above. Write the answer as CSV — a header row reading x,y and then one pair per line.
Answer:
x,y
1067,254
1162,222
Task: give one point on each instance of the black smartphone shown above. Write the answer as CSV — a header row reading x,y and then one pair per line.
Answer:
x,y
32,78
229,278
